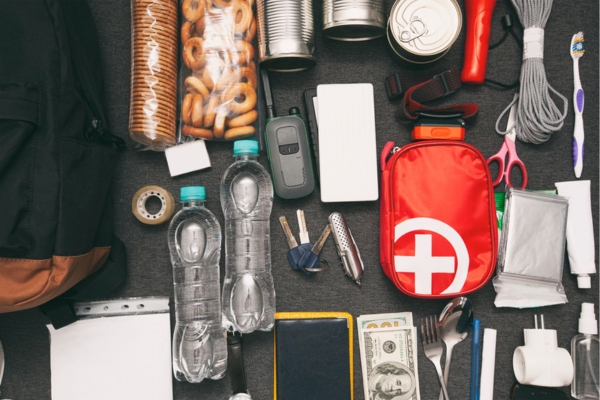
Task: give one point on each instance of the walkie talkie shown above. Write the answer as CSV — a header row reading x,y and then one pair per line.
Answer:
x,y
288,149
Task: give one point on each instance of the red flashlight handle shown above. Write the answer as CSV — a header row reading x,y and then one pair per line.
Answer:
x,y
479,23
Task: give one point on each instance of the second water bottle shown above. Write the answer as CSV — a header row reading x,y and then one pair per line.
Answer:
x,y
247,198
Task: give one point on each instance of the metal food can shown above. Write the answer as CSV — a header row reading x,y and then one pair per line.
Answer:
x,y
422,31
286,39
354,20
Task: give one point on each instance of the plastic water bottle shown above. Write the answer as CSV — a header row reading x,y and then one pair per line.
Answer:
x,y
199,342
247,199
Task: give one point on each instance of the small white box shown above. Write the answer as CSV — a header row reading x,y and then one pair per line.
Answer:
x,y
187,157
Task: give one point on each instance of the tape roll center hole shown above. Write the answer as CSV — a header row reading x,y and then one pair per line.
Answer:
x,y
153,205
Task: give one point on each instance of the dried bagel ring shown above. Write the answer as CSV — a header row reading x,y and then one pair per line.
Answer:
x,y
196,111
223,3
192,10
138,205
194,84
210,112
247,75
197,132
243,54
239,133
219,126
251,32
193,54
188,30
243,120
242,15
240,98
186,108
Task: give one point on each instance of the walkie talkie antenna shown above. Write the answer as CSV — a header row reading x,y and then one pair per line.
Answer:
x,y
271,113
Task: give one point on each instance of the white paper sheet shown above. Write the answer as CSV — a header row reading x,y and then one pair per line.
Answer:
x,y
116,358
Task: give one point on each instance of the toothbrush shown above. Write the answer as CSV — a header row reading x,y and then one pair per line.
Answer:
x,y
577,50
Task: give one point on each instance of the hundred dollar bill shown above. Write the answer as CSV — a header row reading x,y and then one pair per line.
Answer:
x,y
391,320
389,363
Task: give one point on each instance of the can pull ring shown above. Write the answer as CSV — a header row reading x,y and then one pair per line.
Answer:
x,y
408,33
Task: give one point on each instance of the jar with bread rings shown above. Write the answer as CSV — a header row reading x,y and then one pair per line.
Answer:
x,y
218,79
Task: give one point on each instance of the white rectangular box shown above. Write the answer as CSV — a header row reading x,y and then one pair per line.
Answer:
x,y
347,145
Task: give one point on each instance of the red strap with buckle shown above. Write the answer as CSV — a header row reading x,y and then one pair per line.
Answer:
x,y
438,86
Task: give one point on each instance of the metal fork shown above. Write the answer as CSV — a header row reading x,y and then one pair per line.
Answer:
x,y
433,346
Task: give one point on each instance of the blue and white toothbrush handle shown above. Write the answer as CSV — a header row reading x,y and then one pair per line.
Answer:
x,y
578,136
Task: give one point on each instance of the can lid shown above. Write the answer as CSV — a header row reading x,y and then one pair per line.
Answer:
x,y
245,147
192,193
425,27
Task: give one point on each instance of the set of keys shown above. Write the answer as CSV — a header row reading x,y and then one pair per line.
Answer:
x,y
304,256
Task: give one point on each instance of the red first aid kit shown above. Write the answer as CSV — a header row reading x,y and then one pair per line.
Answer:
x,y
438,228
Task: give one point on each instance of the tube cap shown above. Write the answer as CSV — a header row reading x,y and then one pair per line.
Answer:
x,y
245,147
584,282
587,319
192,193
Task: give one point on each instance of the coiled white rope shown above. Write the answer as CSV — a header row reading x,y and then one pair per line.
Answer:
x,y
537,116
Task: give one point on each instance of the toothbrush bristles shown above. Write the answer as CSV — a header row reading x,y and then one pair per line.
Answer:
x,y
578,44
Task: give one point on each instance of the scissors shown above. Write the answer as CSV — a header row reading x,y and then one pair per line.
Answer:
x,y
509,147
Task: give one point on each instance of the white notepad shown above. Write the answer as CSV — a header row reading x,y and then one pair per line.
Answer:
x,y
347,145
120,357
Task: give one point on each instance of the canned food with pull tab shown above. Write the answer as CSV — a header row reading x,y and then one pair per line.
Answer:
x,y
422,31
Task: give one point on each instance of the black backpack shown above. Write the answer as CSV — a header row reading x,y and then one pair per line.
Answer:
x,y
56,160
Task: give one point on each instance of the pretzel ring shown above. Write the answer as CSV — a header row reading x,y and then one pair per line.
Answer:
x,y
242,16
239,133
242,91
243,120
223,3
186,109
187,31
226,78
243,54
219,127
195,85
200,25
210,112
251,32
246,75
193,55
212,70
197,132
196,111
192,9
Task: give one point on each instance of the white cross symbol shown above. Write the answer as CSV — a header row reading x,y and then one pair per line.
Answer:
x,y
423,264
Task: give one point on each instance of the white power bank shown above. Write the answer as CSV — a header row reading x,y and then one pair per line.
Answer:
x,y
347,145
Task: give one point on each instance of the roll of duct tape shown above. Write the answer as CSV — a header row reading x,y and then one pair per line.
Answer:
x,y
138,205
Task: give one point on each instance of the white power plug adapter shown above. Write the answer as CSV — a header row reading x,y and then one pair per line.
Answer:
x,y
540,362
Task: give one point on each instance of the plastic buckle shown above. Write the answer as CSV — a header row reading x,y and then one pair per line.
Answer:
x,y
393,87
442,76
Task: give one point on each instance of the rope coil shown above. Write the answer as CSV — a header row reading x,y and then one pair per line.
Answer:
x,y
537,114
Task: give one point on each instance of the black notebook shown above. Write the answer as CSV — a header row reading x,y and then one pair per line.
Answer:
x,y
313,356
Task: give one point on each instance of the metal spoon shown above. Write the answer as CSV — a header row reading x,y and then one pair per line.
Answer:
x,y
455,323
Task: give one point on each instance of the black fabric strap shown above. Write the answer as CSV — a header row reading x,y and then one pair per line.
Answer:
x,y
236,363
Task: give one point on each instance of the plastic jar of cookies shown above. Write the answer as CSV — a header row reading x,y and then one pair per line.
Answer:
x,y
218,79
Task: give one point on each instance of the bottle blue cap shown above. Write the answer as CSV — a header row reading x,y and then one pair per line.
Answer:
x,y
245,147
192,193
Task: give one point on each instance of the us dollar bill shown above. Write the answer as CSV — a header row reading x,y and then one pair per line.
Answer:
x,y
391,320
389,363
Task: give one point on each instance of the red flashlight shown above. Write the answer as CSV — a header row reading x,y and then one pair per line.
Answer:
x,y
479,22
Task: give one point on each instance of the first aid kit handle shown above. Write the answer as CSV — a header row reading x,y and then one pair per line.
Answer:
x,y
479,21
387,150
